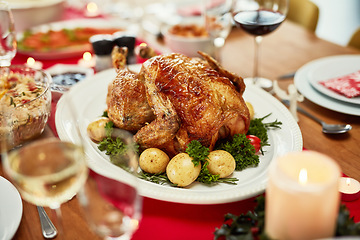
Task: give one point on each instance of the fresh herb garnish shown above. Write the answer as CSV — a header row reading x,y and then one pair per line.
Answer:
x,y
242,151
199,153
259,129
159,178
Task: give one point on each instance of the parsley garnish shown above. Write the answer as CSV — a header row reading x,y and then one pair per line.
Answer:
x,y
242,151
259,129
199,153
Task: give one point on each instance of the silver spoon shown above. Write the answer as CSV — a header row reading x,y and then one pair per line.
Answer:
x,y
47,227
326,128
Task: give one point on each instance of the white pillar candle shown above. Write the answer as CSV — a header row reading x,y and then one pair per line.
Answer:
x,y
349,189
302,197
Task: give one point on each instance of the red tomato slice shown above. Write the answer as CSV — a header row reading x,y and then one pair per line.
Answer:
x,y
255,141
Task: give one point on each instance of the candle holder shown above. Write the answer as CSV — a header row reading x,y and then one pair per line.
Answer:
x,y
349,189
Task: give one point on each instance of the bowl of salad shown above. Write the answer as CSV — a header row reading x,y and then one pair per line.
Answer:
x,y
25,104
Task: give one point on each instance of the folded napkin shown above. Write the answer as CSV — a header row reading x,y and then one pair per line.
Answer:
x,y
347,85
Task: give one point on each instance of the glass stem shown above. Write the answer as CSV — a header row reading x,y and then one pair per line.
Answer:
x,y
258,40
57,216
218,45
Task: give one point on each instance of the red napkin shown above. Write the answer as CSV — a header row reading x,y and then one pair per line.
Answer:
x,y
347,85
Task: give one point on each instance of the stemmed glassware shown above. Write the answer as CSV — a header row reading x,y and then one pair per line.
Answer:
x,y
113,206
8,36
259,17
46,171
218,22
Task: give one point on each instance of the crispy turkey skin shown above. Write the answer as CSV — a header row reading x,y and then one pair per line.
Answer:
x,y
176,99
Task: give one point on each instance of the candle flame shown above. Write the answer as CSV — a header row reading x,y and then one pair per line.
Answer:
x,y
303,176
92,7
348,181
30,61
87,56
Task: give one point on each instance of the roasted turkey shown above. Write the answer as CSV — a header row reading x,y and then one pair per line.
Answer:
x,y
176,99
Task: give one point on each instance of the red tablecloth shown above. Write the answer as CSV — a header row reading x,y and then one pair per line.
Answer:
x,y
167,220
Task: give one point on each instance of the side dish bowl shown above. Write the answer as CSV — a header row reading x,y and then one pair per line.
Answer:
x,y
25,103
31,13
188,39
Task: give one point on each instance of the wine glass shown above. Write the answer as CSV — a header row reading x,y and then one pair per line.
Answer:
x,y
259,17
218,22
112,206
8,36
47,171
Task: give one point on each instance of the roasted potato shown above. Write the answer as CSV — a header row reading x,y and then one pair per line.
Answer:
x,y
181,170
221,163
96,129
153,160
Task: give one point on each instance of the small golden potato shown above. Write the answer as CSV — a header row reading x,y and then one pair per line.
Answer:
x,y
221,163
181,170
153,160
96,129
251,110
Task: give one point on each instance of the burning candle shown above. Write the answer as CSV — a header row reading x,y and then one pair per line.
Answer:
x,y
302,197
33,64
349,189
92,10
87,60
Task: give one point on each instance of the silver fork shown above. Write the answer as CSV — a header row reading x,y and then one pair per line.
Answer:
x,y
47,227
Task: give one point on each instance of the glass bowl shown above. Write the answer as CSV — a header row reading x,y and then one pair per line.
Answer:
x,y
25,104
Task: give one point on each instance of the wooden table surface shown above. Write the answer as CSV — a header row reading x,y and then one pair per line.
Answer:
x,y
283,51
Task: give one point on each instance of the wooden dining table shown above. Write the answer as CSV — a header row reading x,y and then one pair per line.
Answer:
x,y
283,51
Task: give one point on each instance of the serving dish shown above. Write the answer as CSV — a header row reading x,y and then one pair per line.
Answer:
x,y
302,83
252,181
25,103
11,209
76,49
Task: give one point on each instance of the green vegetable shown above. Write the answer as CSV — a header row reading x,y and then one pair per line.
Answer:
x,y
159,178
259,129
242,151
199,153
206,177
112,146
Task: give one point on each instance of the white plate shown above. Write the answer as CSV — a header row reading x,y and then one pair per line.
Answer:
x,y
332,67
88,99
11,209
302,83
76,50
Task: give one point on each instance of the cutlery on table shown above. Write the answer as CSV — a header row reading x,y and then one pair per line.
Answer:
x,y
286,76
47,227
326,128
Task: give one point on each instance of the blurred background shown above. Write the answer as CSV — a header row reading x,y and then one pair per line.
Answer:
x,y
338,19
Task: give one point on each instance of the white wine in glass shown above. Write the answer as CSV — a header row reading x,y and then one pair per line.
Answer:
x,y
47,171
258,18
8,35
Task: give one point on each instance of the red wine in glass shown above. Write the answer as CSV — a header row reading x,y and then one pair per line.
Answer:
x,y
259,22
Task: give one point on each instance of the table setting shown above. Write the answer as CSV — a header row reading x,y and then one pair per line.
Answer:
x,y
304,185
